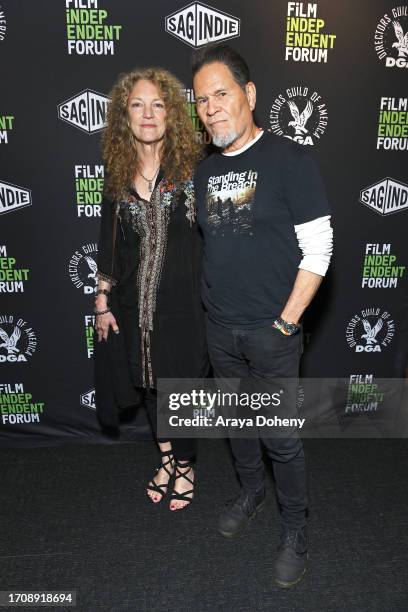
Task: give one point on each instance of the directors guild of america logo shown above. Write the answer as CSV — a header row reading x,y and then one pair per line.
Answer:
x,y
391,38
85,111
198,24
300,115
83,268
18,341
370,331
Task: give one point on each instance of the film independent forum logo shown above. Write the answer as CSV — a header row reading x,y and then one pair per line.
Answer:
x,y
85,111
198,24
370,331
391,38
299,114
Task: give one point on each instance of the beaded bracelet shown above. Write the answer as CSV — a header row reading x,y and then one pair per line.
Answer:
x,y
103,292
101,312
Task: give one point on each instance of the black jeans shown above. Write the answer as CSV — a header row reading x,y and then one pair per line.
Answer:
x,y
183,448
259,355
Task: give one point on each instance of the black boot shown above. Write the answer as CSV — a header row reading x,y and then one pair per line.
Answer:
x,y
239,512
290,564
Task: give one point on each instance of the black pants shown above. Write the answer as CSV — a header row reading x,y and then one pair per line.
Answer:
x,y
260,355
183,448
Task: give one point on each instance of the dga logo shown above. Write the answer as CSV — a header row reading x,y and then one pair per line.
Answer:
x,y
393,124
89,189
201,133
12,279
299,115
198,24
17,406
86,111
88,399
3,24
380,269
386,197
13,197
87,32
305,42
6,126
370,331
391,38
83,268
17,341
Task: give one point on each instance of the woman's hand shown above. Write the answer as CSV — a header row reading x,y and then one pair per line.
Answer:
x,y
102,324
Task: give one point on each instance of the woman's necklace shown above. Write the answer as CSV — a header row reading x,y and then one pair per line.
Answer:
x,y
150,181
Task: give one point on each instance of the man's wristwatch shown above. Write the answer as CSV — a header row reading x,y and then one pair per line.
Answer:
x,y
288,329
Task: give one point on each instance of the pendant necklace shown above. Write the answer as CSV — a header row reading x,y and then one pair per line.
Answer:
x,y
150,181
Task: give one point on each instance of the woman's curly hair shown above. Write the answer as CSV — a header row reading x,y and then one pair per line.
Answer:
x,y
180,150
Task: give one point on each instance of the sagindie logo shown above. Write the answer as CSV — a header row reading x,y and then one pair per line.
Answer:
x,y
198,24
304,40
13,197
370,331
391,38
87,34
17,406
88,399
299,115
86,111
386,197
3,24
6,126
17,340
89,189
12,278
83,268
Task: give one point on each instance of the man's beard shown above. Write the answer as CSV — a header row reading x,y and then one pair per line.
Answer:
x,y
224,140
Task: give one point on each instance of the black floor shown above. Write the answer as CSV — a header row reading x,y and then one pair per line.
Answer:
x,y
77,518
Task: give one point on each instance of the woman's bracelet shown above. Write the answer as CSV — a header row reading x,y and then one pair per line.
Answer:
x,y
101,312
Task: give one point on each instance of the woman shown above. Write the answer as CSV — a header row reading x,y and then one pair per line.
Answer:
x,y
149,262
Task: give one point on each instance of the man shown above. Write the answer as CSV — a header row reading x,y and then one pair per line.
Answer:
x,y
262,267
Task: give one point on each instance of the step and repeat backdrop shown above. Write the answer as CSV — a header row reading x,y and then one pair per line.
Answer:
x,y
330,75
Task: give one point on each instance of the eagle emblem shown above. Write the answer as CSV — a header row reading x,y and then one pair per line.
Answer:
x,y
10,342
402,40
93,267
371,332
300,119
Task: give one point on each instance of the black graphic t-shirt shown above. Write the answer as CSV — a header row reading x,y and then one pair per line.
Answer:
x,y
248,205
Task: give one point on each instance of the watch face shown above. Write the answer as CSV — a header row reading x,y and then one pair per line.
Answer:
x,y
290,328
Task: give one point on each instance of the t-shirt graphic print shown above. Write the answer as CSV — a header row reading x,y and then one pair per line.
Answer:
x,y
229,201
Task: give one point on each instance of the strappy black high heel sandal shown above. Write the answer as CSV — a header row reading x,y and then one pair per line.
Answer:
x,y
162,488
179,474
